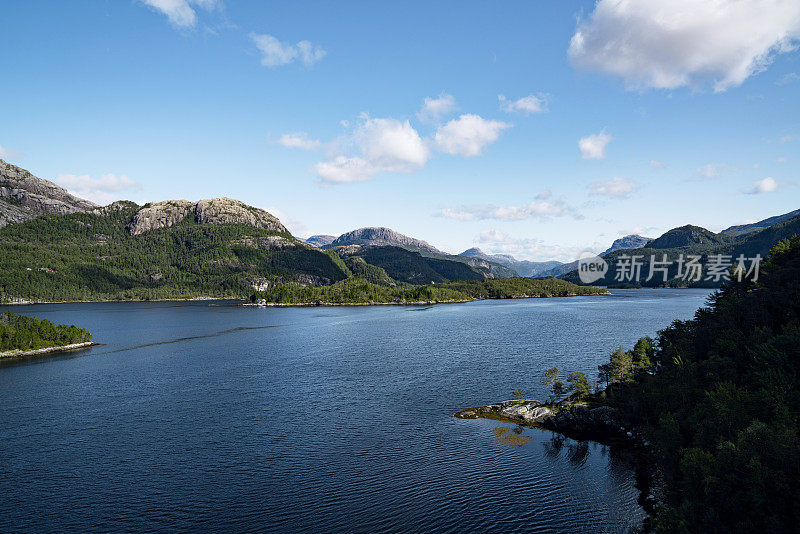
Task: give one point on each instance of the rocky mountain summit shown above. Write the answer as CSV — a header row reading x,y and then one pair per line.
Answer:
x,y
628,242
382,236
685,236
211,211
320,241
24,196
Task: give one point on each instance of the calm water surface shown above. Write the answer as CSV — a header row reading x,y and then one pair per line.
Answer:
x,y
195,417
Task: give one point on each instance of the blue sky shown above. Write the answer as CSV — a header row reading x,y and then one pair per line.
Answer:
x,y
316,111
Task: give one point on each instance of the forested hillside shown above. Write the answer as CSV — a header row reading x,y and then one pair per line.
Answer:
x,y
693,240
92,256
719,397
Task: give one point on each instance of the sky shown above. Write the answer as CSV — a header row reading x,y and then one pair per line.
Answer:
x,y
536,128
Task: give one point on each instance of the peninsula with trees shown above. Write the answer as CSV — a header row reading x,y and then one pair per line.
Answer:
x,y
714,403
30,336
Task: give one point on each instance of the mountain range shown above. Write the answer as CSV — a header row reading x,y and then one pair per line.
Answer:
x,y
521,267
745,240
56,246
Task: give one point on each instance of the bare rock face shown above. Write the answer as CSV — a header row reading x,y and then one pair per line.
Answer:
x,y
228,211
213,211
160,215
382,236
23,197
320,241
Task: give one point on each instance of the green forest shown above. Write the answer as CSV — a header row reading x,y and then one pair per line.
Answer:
x,y
361,290
91,256
719,396
19,332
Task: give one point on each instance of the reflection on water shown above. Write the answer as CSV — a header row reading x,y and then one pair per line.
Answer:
x,y
514,438
222,418
577,452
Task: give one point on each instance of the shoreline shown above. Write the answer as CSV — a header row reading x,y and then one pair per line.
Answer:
x,y
23,302
245,301
47,350
410,302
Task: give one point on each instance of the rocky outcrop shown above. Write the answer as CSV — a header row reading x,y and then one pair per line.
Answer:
x,y
212,211
228,211
24,196
601,423
160,215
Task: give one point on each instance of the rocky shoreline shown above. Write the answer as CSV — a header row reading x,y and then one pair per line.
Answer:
x,y
578,421
46,350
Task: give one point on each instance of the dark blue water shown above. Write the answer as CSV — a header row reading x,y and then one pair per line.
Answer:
x,y
195,417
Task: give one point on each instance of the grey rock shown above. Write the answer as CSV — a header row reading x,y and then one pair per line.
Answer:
x,y
24,196
160,215
228,211
211,211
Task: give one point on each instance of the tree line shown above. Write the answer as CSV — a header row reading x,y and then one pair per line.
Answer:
x,y
20,332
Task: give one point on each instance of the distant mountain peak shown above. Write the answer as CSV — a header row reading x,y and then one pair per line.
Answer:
x,y
379,235
751,228
320,240
628,242
684,236
24,196
521,267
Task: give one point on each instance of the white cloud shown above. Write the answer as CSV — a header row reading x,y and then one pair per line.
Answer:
x,y
498,242
657,164
594,146
707,171
101,190
433,109
664,45
9,153
540,208
616,187
180,12
377,145
767,185
467,135
383,145
527,104
274,53
298,140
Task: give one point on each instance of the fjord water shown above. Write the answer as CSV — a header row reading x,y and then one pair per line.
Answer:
x,y
192,416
